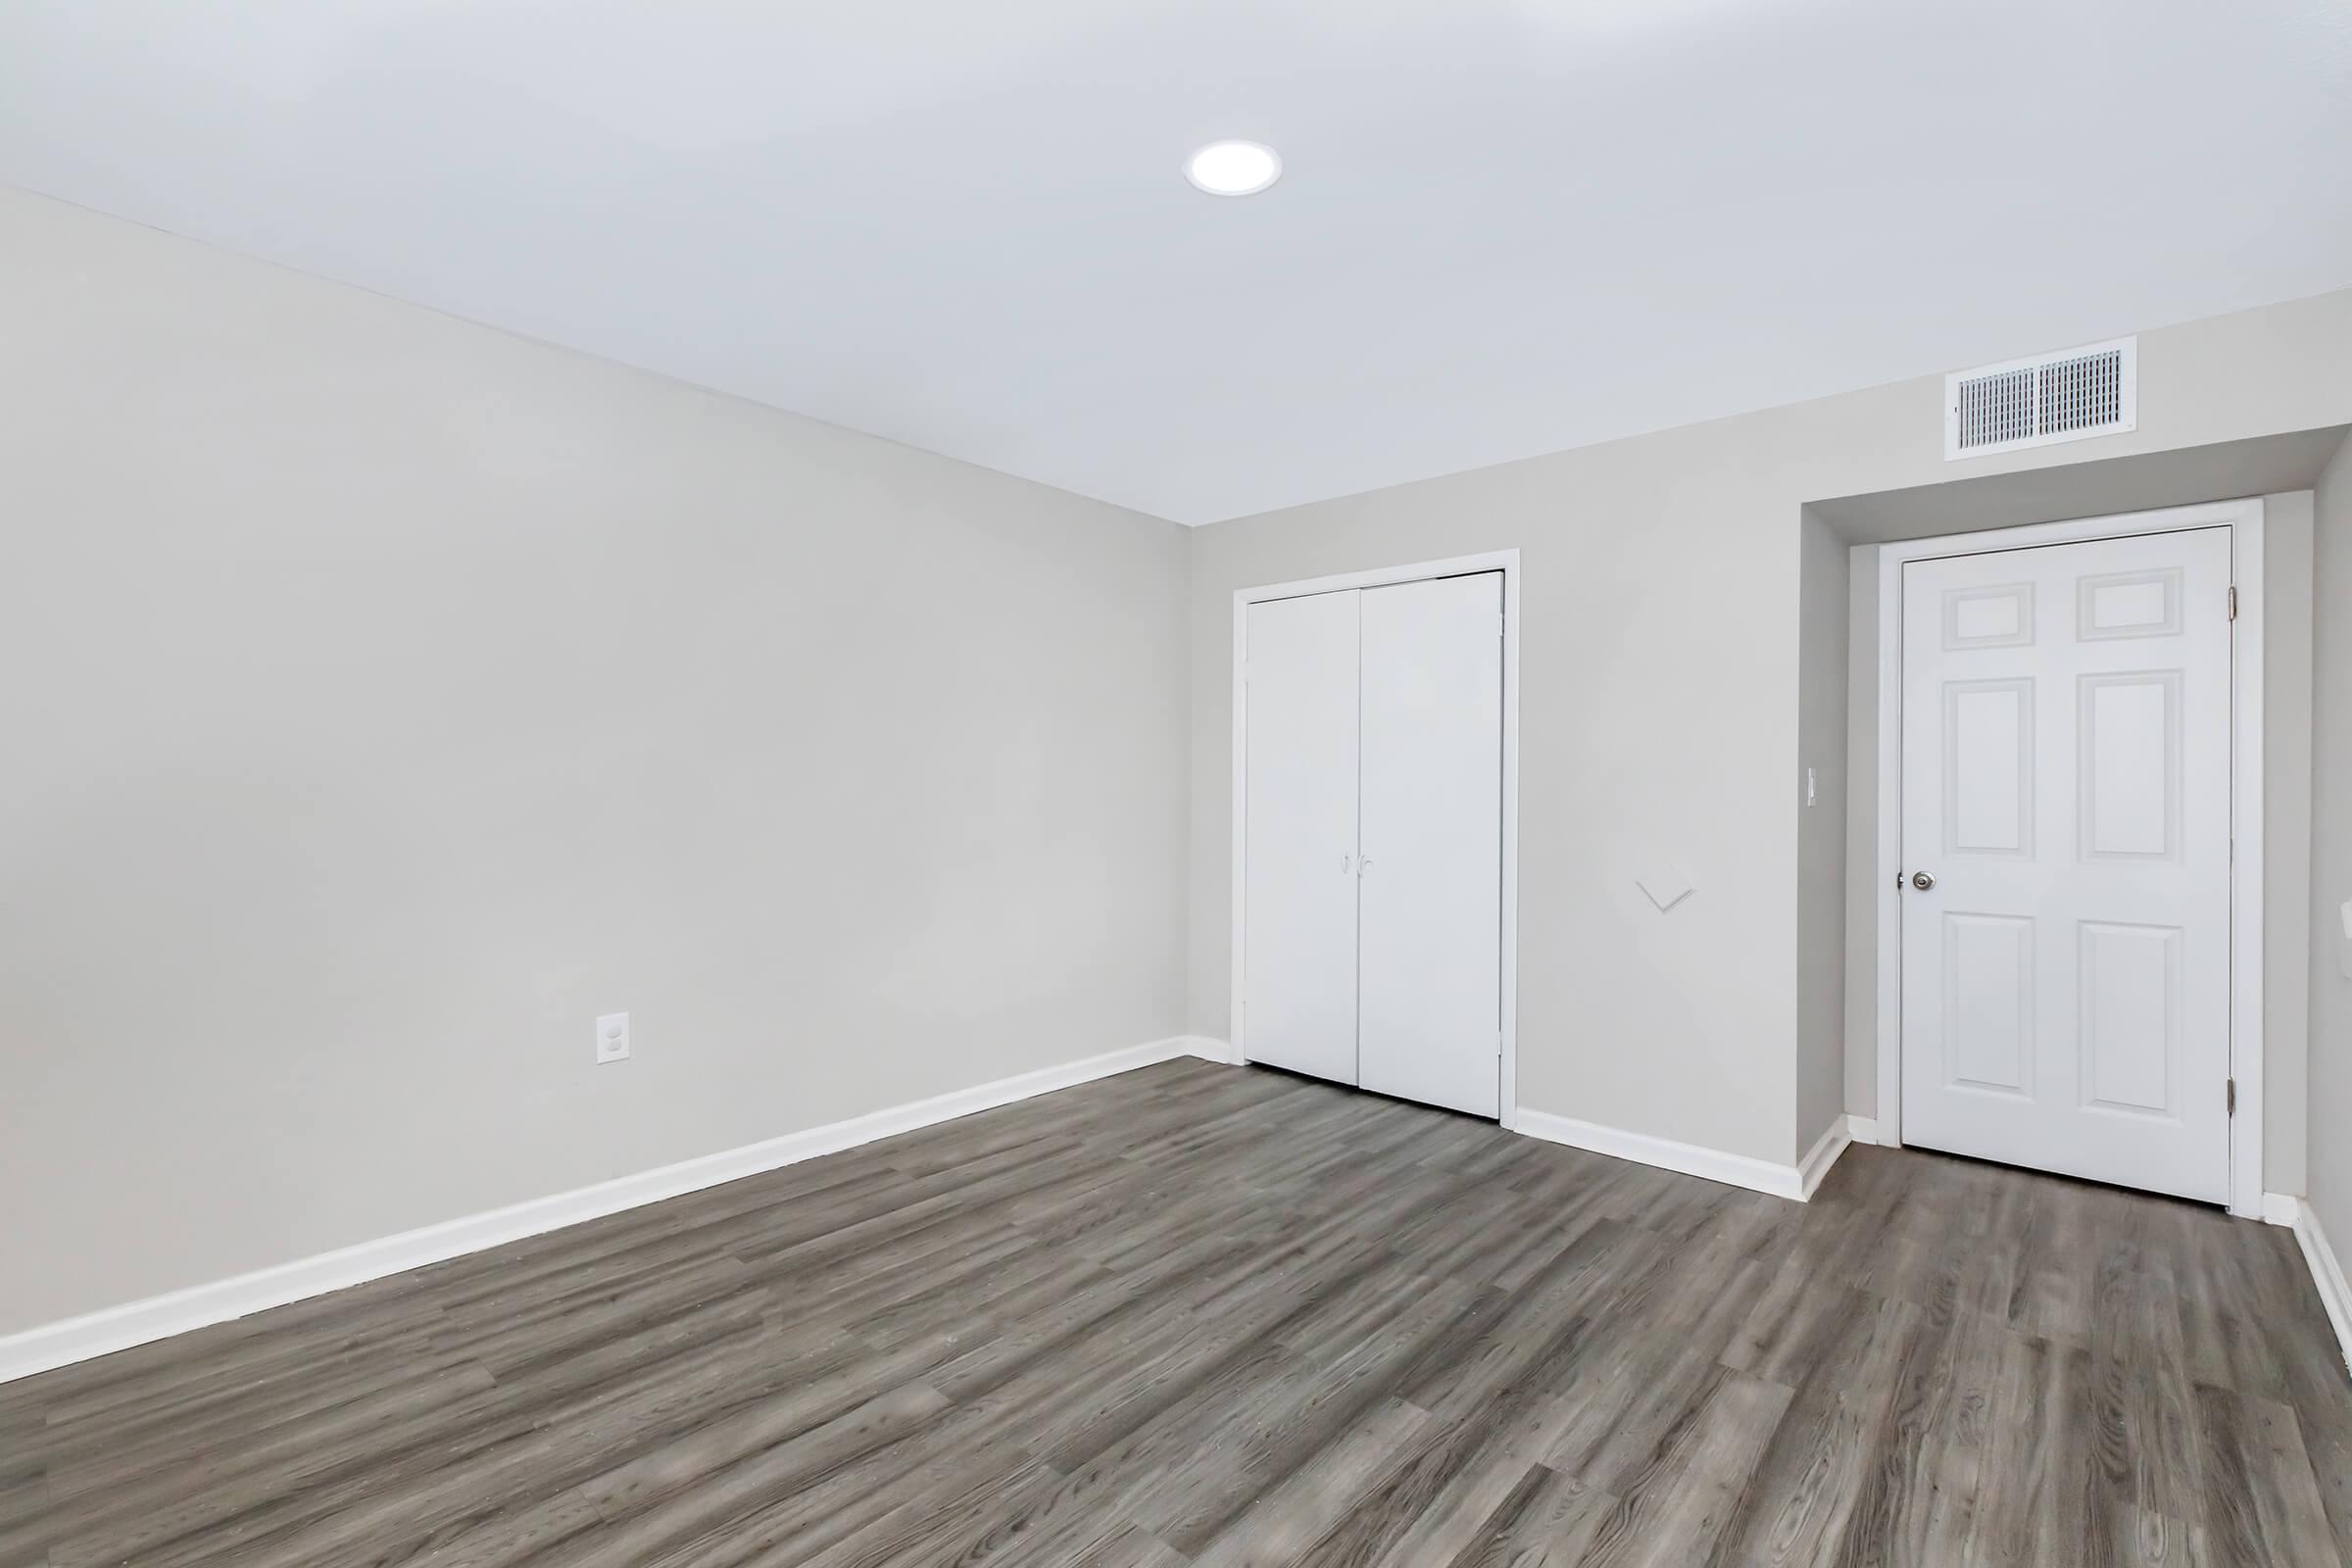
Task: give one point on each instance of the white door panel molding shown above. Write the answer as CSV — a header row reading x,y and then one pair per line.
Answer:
x,y
2070,855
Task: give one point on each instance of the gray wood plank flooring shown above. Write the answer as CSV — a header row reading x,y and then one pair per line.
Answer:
x,y
1208,1316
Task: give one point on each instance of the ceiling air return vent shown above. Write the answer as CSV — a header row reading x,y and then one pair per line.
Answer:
x,y
2051,397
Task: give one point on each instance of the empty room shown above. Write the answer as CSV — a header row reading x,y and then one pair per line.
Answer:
x,y
1168,782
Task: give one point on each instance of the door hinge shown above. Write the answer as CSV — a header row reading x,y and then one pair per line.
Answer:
x,y
2233,600
2232,1096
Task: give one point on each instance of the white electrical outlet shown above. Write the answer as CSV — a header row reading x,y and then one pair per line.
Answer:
x,y
612,1037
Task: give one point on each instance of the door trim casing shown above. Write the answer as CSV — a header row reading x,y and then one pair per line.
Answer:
x,y
2243,519
1505,562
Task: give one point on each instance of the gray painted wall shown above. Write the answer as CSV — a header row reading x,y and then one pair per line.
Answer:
x,y
2331,1149
1662,702
1822,645
1862,832
385,697
2288,672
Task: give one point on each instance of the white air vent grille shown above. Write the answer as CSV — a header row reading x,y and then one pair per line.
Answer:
x,y
2052,397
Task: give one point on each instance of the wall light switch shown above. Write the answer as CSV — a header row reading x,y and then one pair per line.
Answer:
x,y
612,1037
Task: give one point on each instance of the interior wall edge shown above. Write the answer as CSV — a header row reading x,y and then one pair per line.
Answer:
x,y
1816,777
2289,671
1859,1025
2327,1153
1835,1141
46,1347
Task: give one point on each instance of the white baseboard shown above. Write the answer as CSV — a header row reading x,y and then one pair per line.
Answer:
x,y
1862,1129
1822,1155
117,1328
1223,1051
2325,1271
1690,1159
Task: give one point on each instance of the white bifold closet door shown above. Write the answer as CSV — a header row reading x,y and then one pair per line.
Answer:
x,y
1373,912
1430,906
1299,927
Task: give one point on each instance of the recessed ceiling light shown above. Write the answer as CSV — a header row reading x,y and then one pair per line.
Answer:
x,y
1233,168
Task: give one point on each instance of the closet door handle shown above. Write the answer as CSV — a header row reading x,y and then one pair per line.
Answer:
x,y
1363,865
1343,865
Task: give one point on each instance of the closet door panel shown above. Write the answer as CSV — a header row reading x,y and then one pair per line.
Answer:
x,y
1431,791
1300,893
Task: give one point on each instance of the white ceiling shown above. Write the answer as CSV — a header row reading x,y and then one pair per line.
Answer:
x,y
1505,226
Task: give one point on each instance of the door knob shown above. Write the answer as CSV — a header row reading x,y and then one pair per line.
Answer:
x,y
1922,881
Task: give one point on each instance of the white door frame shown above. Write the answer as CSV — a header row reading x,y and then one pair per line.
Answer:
x,y
2243,519
1505,562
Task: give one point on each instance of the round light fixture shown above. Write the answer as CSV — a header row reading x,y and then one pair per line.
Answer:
x,y
1233,168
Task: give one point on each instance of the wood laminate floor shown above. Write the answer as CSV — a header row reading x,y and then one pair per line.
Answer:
x,y
1209,1315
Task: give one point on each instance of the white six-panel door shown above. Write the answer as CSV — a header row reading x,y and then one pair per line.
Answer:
x,y
1429,1022
1372,839
2065,894
1299,936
